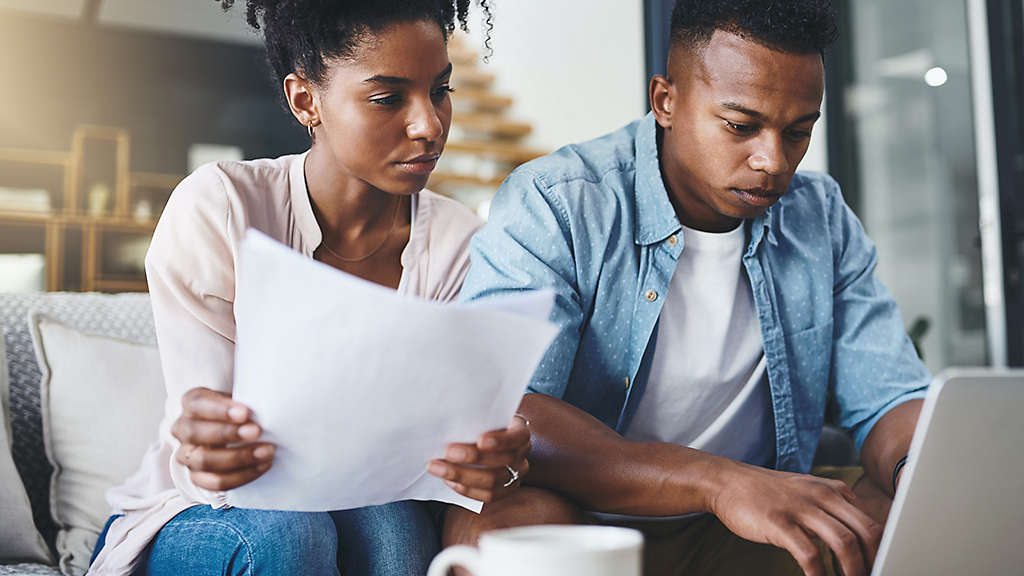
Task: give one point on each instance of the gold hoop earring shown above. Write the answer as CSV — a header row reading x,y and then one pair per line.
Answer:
x,y
309,128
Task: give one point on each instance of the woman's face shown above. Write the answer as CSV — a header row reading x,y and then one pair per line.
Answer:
x,y
385,112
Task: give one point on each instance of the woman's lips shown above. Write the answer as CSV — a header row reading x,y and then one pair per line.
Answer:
x,y
420,165
759,198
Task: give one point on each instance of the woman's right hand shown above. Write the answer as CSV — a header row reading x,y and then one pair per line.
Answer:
x,y
219,441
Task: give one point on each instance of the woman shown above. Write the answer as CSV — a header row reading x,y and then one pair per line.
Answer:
x,y
369,81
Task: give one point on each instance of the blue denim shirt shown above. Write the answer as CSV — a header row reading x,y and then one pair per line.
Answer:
x,y
594,222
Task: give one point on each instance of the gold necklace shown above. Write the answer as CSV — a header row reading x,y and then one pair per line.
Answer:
x,y
394,221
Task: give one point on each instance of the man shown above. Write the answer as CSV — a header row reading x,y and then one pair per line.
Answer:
x,y
709,300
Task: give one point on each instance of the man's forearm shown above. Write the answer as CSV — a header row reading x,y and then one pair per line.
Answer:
x,y
577,455
888,442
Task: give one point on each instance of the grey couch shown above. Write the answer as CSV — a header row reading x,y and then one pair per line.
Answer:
x,y
125,316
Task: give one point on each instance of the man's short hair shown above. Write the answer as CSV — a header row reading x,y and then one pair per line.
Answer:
x,y
794,26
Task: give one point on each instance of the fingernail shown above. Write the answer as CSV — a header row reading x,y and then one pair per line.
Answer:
x,y
457,454
437,469
489,443
263,467
238,413
453,485
249,432
263,452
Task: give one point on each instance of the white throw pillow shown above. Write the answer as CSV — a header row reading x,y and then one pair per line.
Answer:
x,y
102,400
19,539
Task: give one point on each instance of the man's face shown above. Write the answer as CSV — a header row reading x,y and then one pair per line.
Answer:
x,y
737,120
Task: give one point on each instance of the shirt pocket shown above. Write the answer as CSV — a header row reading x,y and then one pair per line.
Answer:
x,y
809,356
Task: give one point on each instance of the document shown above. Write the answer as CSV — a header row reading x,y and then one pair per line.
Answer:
x,y
360,387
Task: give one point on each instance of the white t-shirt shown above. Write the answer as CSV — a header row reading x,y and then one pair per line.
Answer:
x,y
708,387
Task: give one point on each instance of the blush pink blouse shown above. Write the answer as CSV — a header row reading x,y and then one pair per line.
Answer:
x,y
191,272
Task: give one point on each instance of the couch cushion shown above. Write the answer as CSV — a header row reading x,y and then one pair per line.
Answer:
x,y
5,391
28,570
126,316
102,400
19,539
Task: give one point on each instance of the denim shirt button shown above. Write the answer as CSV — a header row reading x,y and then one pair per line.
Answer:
x,y
673,240
651,295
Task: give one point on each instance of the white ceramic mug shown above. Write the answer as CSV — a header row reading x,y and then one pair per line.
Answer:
x,y
548,551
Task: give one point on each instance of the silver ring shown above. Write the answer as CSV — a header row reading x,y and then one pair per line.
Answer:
x,y
512,480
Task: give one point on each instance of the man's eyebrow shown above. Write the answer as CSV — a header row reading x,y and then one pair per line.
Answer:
x,y
742,109
400,81
755,114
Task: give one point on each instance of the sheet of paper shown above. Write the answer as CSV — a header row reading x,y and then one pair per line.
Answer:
x,y
359,387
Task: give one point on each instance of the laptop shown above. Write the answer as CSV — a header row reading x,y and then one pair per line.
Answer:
x,y
959,509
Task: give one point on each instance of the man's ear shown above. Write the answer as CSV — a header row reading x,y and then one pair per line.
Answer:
x,y
301,97
662,95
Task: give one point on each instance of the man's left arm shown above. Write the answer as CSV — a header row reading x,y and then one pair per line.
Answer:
x,y
888,443
877,377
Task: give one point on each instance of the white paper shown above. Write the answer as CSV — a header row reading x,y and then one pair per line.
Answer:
x,y
360,387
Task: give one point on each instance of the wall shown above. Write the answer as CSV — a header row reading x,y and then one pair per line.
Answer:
x,y
574,67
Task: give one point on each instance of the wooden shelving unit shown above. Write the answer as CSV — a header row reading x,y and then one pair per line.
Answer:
x,y
511,153
485,144
445,179
484,100
99,200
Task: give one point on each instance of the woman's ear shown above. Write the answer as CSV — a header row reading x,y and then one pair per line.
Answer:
x,y
302,99
662,95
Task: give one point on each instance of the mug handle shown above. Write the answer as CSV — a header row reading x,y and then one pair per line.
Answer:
x,y
465,556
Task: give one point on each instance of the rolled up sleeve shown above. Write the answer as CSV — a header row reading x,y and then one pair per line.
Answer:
x,y
874,365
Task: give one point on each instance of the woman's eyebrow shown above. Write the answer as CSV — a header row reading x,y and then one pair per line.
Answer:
x,y
400,81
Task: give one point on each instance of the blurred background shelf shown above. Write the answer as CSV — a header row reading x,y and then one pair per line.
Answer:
x,y
115,286
77,211
478,99
468,78
493,125
83,211
441,180
486,143
512,153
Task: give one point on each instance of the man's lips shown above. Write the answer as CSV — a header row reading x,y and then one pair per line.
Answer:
x,y
760,197
422,164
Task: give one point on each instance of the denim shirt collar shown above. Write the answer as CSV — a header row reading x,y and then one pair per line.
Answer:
x,y
760,229
656,218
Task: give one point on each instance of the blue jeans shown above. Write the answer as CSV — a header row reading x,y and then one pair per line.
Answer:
x,y
393,539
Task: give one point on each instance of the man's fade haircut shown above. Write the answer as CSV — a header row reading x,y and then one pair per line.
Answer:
x,y
793,26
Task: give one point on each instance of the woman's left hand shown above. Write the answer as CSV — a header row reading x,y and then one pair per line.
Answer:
x,y
487,470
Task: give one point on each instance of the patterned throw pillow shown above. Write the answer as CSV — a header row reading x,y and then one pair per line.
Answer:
x,y
19,539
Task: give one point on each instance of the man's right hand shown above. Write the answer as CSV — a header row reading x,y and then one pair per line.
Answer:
x,y
786,510
218,441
